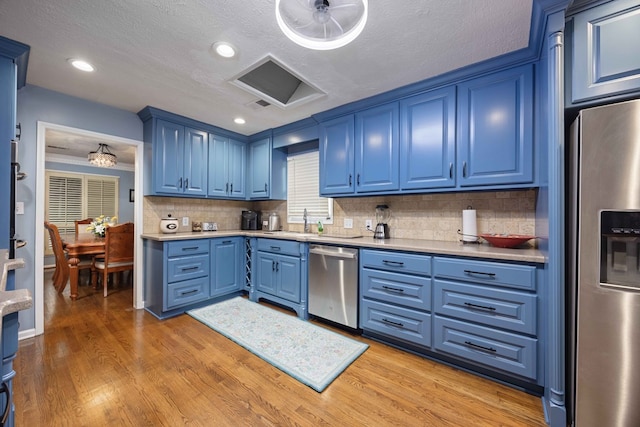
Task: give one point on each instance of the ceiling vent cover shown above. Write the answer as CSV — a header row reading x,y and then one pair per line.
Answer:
x,y
274,83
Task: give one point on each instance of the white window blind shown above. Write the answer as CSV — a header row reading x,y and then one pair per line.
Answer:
x,y
303,190
71,196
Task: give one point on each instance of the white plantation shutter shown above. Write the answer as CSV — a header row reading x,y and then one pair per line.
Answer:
x,y
71,196
64,197
303,190
101,197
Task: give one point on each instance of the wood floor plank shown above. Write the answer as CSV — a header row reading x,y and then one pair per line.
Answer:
x,y
101,362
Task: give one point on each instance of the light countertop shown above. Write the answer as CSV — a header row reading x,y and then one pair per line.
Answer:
x,y
483,250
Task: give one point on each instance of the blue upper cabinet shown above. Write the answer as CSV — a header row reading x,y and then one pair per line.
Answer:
x,y
606,52
359,153
237,169
179,164
267,169
227,160
337,169
427,140
495,129
377,149
195,162
168,161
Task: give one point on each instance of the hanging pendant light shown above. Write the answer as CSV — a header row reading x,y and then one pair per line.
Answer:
x,y
322,24
102,157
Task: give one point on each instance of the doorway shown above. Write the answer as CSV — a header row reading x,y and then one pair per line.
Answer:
x,y
137,146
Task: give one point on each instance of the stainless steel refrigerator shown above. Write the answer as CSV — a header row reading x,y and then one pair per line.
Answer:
x,y
604,266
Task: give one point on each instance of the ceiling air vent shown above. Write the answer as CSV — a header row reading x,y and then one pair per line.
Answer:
x,y
275,84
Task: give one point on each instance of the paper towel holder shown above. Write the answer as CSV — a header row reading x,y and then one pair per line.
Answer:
x,y
475,239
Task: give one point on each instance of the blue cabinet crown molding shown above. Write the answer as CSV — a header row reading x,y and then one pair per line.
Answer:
x,y
148,113
304,130
540,11
19,54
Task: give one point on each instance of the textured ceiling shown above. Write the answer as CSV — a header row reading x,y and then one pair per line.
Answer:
x,y
158,52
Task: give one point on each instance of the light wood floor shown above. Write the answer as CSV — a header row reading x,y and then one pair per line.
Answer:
x,y
100,362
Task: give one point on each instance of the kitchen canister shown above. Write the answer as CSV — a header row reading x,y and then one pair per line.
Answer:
x,y
469,226
169,225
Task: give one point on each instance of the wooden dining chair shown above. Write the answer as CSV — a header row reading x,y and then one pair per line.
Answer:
x,y
118,254
61,274
81,226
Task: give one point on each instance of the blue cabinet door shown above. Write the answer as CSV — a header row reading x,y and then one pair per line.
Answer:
x,y
337,168
195,162
168,161
218,182
266,273
237,169
377,149
288,276
260,164
427,140
606,53
495,129
227,265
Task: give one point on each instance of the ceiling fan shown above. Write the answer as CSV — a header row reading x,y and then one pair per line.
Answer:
x,y
322,24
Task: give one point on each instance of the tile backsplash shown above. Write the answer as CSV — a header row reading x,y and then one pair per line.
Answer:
x,y
420,216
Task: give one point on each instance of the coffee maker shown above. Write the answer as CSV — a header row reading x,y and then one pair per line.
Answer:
x,y
251,220
382,217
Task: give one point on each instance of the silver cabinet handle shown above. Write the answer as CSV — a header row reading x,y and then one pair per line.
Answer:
x,y
451,170
464,169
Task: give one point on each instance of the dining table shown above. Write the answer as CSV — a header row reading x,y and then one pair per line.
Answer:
x,y
78,246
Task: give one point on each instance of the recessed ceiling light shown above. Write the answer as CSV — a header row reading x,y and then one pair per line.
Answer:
x,y
239,120
81,65
224,49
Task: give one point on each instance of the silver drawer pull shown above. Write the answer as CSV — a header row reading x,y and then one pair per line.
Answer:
x,y
389,288
481,307
189,292
398,263
481,273
190,248
275,248
480,347
190,268
398,324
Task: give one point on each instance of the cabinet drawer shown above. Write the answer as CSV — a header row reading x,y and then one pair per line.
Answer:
x,y
410,291
494,307
189,267
502,350
187,247
288,247
396,261
397,322
486,272
187,292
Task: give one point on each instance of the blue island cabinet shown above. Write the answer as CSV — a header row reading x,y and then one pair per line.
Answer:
x,y
495,129
13,71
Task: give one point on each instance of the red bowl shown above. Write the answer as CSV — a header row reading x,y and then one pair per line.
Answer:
x,y
506,240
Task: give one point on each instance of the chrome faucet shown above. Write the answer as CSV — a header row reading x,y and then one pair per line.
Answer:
x,y
305,216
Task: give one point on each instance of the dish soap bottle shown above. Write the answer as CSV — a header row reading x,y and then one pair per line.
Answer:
x,y
320,228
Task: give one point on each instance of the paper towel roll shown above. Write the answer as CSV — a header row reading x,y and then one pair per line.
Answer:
x,y
469,226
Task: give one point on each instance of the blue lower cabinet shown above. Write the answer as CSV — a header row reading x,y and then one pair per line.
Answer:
x,y
194,272
280,272
227,265
511,353
397,322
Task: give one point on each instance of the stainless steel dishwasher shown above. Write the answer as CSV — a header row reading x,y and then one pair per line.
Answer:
x,y
333,284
